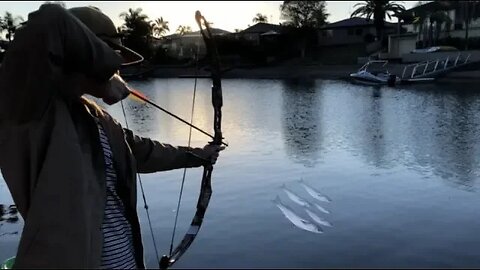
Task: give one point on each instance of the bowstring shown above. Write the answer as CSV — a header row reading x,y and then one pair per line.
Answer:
x,y
143,195
189,142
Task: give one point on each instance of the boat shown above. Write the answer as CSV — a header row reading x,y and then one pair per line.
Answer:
x,y
435,49
375,73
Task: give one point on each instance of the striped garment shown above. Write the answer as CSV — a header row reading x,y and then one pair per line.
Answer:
x,y
117,252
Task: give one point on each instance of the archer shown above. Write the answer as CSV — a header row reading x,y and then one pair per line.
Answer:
x,y
70,167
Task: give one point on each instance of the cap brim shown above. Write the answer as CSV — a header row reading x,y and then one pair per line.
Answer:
x,y
130,57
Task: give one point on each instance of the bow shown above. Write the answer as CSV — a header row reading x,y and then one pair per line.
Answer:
x,y
206,188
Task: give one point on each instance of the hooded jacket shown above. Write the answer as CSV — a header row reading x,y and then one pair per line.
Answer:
x,y
50,154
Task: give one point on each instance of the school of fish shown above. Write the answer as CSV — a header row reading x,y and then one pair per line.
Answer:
x,y
295,218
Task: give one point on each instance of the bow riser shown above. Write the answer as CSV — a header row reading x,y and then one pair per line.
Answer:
x,y
206,187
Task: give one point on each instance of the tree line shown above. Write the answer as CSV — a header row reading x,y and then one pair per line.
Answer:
x,y
301,19
8,24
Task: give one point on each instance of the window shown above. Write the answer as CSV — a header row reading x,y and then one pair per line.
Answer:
x,y
327,33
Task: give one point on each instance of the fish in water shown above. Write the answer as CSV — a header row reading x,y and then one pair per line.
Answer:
x,y
295,219
318,219
314,193
321,209
294,197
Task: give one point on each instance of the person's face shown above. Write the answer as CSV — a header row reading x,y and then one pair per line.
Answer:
x,y
95,88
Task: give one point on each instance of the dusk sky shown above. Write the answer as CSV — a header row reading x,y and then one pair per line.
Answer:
x,y
227,15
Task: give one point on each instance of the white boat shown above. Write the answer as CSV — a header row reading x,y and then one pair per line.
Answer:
x,y
375,73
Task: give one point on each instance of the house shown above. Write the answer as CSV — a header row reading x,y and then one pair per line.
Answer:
x,y
156,42
457,11
187,45
260,31
354,30
400,44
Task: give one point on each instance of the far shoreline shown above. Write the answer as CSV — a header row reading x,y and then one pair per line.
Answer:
x,y
306,71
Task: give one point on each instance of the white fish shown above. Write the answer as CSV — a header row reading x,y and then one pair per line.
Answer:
x,y
315,193
318,219
295,219
294,197
321,209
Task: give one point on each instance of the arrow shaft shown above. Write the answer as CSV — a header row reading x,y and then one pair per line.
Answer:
x,y
171,114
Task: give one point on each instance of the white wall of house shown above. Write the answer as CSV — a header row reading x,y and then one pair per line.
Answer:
x,y
186,46
452,13
401,44
409,28
472,32
475,23
474,29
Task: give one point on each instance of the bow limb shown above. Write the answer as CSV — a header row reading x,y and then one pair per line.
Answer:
x,y
206,188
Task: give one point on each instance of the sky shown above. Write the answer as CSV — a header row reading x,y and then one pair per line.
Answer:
x,y
227,15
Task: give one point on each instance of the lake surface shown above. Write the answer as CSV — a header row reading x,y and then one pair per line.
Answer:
x,y
401,166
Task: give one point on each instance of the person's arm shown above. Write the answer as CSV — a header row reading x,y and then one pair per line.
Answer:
x,y
46,52
153,156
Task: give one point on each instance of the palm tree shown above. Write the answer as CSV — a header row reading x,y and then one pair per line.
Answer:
x,y
419,24
137,30
471,11
302,14
379,10
10,24
437,20
260,18
133,19
182,29
160,27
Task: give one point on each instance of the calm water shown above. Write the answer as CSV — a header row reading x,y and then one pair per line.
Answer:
x,y
400,165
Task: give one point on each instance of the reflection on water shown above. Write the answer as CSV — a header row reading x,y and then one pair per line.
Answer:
x,y
428,129
458,122
389,157
300,117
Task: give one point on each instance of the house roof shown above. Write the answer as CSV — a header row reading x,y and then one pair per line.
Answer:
x,y
354,22
262,28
